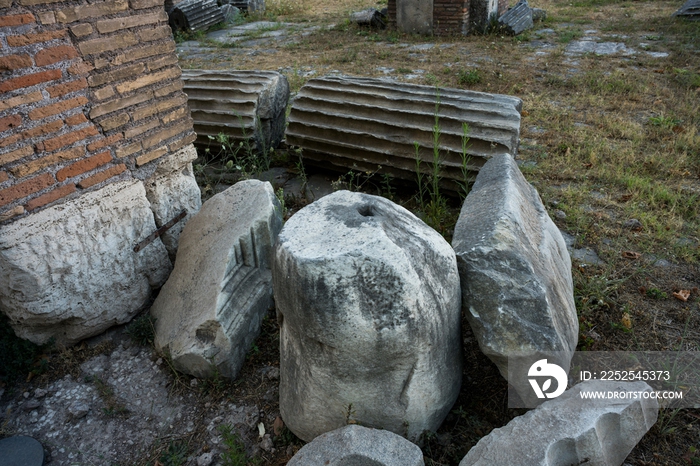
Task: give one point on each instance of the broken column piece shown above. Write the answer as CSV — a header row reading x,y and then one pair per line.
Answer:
x,y
357,445
689,10
369,17
195,15
517,290
517,19
210,310
240,104
362,123
367,297
572,429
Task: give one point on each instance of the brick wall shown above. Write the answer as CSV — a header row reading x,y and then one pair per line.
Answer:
x,y
89,94
450,17
391,12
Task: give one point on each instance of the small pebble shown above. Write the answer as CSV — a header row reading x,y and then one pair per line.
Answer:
x,y
632,224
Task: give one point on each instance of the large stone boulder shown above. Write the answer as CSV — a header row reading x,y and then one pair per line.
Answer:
x,y
367,298
517,290
210,310
70,271
357,445
572,429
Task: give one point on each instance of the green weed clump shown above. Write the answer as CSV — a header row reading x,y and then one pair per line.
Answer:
x,y
141,330
235,450
468,77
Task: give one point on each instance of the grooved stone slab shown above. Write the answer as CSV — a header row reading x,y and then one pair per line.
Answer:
x,y
365,123
571,430
355,445
517,19
368,302
70,272
517,290
210,310
240,104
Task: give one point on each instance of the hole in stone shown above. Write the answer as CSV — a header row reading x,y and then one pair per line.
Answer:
x,y
366,210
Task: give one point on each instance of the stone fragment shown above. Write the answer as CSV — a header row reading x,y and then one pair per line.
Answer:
x,y
361,124
230,13
517,19
70,271
571,430
171,189
689,10
633,224
31,405
370,17
78,409
205,459
355,445
195,15
517,290
21,450
243,105
210,310
367,298
538,14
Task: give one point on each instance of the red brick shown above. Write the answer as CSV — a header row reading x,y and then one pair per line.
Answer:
x,y
8,122
15,62
25,188
58,107
16,101
51,196
51,145
16,154
66,88
84,165
27,39
55,54
29,80
3,177
102,176
16,20
42,130
77,119
11,139
93,146
80,68
20,171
